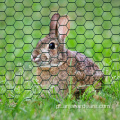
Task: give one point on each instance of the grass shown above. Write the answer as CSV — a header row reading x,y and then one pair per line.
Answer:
x,y
94,32
37,108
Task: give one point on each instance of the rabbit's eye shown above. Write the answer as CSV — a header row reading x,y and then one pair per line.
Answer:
x,y
52,45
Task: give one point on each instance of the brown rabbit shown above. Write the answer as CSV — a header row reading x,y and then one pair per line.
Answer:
x,y
60,67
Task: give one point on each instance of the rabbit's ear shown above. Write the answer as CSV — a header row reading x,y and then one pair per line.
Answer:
x,y
53,23
63,27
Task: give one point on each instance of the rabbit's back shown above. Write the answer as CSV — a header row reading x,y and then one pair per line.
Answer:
x,y
87,73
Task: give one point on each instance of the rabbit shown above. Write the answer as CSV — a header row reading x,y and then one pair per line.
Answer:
x,y
61,68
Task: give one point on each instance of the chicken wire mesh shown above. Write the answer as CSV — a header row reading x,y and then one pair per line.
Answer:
x,y
94,31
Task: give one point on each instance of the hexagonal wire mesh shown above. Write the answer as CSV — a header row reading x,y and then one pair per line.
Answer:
x,y
94,31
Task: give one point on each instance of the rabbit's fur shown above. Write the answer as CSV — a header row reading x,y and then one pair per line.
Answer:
x,y
59,66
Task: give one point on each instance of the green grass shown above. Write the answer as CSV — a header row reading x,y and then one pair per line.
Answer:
x,y
94,32
21,107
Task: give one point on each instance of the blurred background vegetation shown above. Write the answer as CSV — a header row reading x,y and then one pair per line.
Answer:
x,y
95,32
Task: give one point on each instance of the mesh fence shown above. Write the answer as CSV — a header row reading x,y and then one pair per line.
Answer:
x,y
94,32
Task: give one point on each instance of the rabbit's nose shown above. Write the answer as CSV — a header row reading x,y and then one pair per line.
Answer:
x,y
33,57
